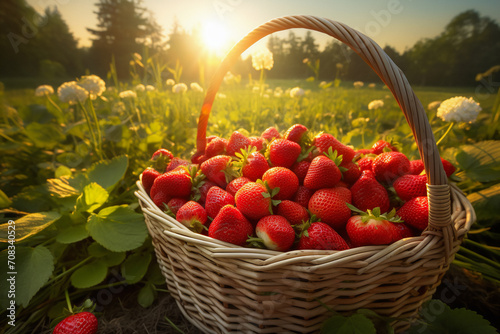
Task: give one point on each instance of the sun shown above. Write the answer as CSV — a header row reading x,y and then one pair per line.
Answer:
x,y
215,36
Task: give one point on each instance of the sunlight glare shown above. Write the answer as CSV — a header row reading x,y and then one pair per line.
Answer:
x,y
215,36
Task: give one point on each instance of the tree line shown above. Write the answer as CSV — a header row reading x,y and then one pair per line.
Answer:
x,y
41,44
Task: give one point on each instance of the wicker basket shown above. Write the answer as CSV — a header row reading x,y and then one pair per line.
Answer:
x,y
224,288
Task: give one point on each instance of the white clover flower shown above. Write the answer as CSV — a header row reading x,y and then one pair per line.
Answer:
x,y
434,105
255,89
150,88
170,82
140,88
262,59
358,84
93,84
297,92
221,95
323,84
375,104
196,87
459,109
229,78
179,88
44,90
70,92
118,108
371,85
128,94
266,96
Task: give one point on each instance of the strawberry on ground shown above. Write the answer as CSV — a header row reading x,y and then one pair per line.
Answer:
x,y
79,323
329,205
321,236
302,196
383,146
270,133
236,184
367,193
415,212
293,212
253,201
217,169
275,232
282,178
388,166
323,171
193,216
410,186
230,226
324,141
236,142
216,199
283,153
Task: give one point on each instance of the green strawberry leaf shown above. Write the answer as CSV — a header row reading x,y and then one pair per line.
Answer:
x,y
107,173
29,225
89,274
72,234
147,295
92,198
355,324
135,267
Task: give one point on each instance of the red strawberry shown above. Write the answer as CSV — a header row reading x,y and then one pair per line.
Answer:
x,y
416,167
324,141
176,162
257,142
175,204
253,201
270,133
216,169
236,184
80,323
162,152
176,183
237,141
367,193
302,196
448,167
275,232
282,178
372,228
300,169
193,216
217,146
415,212
148,177
345,193
295,133
403,231
383,146
365,163
351,172
216,199
321,236
410,186
363,151
388,166
330,206
230,226
202,190
293,212
283,153
323,172
252,164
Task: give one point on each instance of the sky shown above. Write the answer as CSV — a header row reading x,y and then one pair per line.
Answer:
x,y
398,23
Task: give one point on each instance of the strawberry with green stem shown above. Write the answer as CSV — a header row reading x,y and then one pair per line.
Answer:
x,y
415,212
329,205
255,201
317,235
283,153
324,171
219,169
80,321
216,199
274,232
230,225
159,161
251,163
368,193
283,179
193,216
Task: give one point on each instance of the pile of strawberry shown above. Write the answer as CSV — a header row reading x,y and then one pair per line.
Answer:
x,y
293,191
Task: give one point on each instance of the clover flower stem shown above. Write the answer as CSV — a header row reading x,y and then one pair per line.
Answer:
x,y
89,124
54,105
444,135
68,301
98,128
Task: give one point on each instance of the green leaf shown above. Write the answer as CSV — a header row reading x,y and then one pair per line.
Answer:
x,y
486,203
118,228
480,161
45,135
93,197
108,173
111,258
96,250
61,187
33,268
146,295
135,267
72,234
29,225
63,171
5,202
355,324
90,274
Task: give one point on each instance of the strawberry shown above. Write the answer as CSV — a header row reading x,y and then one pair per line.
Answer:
x,y
416,167
321,236
383,146
415,212
293,212
79,323
367,193
175,204
350,172
253,201
363,151
216,199
403,231
344,192
200,194
329,205
176,162
295,133
252,164
270,133
388,166
257,142
300,169
148,177
323,171
193,216
282,178
236,184
176,183
324,141
365,163
162,153
217,146
237,141
302,196
230,226
217,169
275,232
372,228
448,167
283,153
410,186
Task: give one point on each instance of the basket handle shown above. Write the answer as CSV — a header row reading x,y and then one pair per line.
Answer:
x,y
391,75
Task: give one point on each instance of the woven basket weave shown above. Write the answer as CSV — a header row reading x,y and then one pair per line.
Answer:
x,y
224,288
